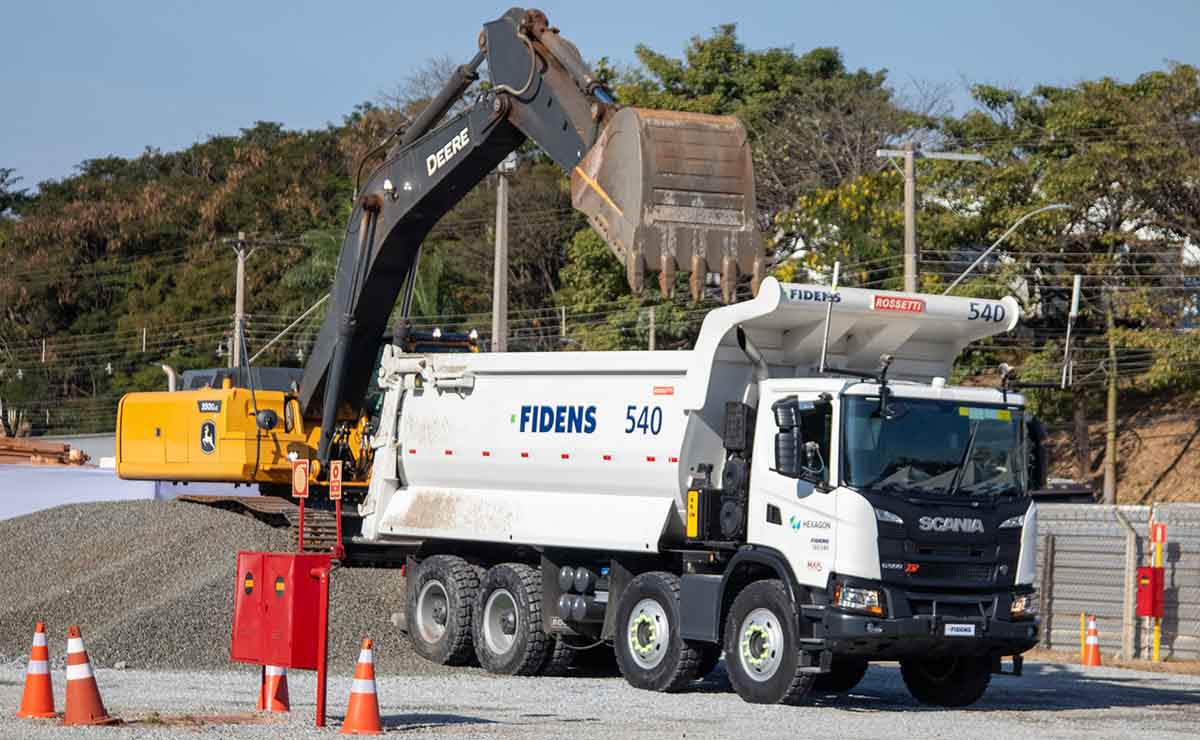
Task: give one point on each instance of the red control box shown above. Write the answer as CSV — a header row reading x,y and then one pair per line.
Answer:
x,y
276,609
1150,592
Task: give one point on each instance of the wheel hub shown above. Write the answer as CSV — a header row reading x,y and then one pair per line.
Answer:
x,y
432,611
500,621
761,645
649,633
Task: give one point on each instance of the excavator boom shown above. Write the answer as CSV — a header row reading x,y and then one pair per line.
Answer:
x,y
670,192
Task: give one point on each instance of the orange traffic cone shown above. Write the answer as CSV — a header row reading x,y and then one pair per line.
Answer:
x,y
84,706
38,699
1091,651
273,694
362,716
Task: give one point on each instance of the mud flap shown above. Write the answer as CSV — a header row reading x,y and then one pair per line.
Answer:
x,y
671,193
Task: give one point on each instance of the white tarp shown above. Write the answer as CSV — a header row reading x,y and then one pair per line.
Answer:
x,y
25,489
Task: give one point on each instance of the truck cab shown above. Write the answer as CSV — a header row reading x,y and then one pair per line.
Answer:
x,y
906,505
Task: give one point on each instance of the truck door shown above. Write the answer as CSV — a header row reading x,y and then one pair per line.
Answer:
x,y
791,509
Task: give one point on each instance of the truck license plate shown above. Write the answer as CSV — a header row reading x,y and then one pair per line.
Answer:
x,y
960,630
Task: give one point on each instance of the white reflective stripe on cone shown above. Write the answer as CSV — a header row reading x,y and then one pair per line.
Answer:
x,y
1092,640
39,639
75,645
363,686
39,666
366,656
75,672
276,671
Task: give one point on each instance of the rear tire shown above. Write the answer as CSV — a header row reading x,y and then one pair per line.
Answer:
x,y
947,682
651,651
439,599
762,646
507,621
843,676
559,657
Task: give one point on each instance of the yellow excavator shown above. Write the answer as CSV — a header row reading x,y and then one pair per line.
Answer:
x,y
670,192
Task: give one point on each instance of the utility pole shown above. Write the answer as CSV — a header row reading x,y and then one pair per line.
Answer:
x,y
911,152
910,217
500,267
653,330
239,301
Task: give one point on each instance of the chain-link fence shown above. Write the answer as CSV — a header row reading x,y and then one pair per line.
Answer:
x,y
1088,557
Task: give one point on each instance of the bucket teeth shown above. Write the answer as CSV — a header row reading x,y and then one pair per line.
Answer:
x,y
673,192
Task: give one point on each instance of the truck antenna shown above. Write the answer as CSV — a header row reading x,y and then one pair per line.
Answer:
x,y
837,267
1067,370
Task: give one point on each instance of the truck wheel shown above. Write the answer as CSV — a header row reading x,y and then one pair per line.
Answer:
x,y
440,597
762,646
559,657
507,624
651,651
844,675
947,682
710,655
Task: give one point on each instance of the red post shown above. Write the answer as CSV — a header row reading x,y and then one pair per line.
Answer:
x,y
322,574
339,550
300,546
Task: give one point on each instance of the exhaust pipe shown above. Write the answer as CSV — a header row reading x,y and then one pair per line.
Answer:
x,y
761,371
172,378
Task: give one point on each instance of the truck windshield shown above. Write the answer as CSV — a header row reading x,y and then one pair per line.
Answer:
x,y
934,448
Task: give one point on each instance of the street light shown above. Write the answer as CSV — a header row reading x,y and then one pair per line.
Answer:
x,y
1011,229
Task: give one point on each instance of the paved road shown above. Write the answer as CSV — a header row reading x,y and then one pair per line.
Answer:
x,y
1049,701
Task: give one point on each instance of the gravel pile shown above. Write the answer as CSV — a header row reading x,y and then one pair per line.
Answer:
x,y
151,586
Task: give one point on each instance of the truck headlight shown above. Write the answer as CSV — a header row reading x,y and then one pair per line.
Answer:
x,y
884,515
1024,605
867,600
1013,522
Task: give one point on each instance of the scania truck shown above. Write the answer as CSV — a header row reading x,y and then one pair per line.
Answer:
x,y
803,492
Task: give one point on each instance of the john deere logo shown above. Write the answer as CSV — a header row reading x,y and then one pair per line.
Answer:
x,y
208,438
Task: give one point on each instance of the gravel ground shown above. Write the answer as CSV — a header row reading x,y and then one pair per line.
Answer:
x,y
151,586
1049,701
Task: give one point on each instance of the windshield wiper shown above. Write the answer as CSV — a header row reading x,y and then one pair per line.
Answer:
x,y
956,480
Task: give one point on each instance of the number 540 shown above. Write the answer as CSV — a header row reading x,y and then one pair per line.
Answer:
x,y
646,418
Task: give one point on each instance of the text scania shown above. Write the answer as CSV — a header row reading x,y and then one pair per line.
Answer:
x,y
559,419
446,153
821,296
950,524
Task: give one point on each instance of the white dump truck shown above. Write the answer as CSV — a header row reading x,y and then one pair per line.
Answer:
x,y
732,498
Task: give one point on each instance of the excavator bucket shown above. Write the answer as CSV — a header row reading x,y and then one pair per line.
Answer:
x,y
673,192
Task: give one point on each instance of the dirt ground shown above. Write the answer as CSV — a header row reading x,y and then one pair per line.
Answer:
x,y
1158,446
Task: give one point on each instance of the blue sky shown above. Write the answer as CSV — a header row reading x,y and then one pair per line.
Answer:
x,y
82,79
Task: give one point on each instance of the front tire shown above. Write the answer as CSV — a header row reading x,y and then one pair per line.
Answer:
x,y
651,651
843,676
439,599
762,646
947,682
507,621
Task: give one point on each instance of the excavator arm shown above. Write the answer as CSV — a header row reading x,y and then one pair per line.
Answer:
x,y
670,192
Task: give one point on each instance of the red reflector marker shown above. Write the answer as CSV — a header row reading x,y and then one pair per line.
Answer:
x,y
449,452
649,458
487,454
673,459
565,456
412,452
607,458
524,454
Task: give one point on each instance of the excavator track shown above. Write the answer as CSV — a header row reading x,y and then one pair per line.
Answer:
x,y
320,527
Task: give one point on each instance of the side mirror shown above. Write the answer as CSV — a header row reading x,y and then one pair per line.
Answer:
x,y
266,420
794,457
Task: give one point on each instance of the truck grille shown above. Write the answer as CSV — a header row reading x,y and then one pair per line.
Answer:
x,y
955,571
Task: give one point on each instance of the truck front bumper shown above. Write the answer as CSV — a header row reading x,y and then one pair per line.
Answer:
x,y
915,626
